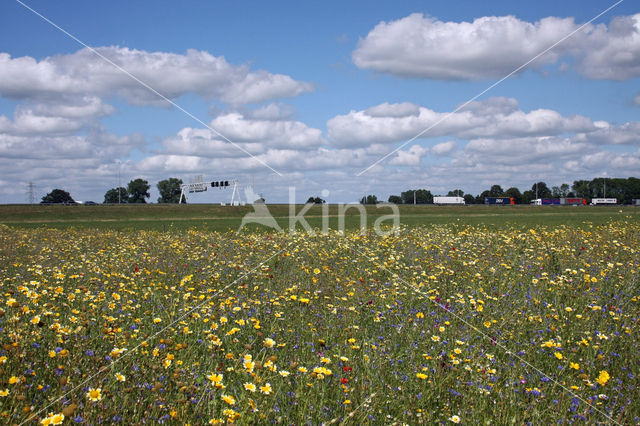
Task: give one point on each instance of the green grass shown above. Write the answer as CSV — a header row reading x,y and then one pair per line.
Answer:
x,y
219,218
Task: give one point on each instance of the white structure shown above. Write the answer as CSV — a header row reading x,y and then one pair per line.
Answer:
x,y
458,201
604,201
198,185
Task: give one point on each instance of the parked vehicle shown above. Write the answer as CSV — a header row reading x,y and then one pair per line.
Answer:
x,y
449,201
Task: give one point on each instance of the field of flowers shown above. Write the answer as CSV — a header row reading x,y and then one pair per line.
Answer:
x,y
459,324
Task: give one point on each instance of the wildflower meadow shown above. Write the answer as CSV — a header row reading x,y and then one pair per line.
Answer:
x,y
433,324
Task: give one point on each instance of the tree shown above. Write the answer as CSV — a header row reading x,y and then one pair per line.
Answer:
x,y
456,193
469,199
514,193
561,191
581,188
57,196
480,198
528,196
395,199
422,196
315,200
369,199
138,190
496,191
170,191
541,189
111,196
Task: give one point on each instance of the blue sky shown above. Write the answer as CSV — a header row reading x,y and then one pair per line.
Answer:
x,y
320,91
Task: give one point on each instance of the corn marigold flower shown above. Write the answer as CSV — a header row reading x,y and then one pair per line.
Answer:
x,y
455,419
120,377
229,399
94,394
250,387
603,377
266,389
269,342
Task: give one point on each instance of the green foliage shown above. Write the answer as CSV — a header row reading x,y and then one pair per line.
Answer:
x,y
422,196
315,200
116,196
515,193
138,190
57,196
369,199
496,191
395,199
170,191
456,193
541,189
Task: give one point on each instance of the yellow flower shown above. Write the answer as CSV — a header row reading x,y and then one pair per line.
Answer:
x,y
120,377
435,338
347,402
249,365
57,419
250,387
574,365
94,394
4,392
421,376
35,319
266,389
156,320
603,378
455,419
302,369
215,378
115,296
316,271
419,315
229,399
3,359
487,324
13,380
269,342
558,355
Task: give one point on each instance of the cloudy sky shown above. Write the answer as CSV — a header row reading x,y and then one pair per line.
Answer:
x,y
353,98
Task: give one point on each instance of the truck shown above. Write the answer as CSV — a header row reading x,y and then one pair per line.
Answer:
x,y
458,201
573,201
500,201
559,202
604,201
546,202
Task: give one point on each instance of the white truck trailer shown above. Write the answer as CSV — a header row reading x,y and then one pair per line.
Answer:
x,y
458,201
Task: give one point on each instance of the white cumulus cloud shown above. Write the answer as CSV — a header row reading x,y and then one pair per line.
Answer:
x,y
494,46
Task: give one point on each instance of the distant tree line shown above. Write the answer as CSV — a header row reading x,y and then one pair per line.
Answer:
x,y
625,190
136,192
